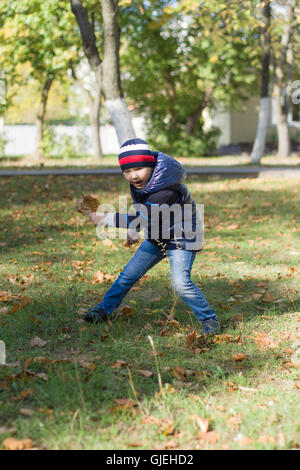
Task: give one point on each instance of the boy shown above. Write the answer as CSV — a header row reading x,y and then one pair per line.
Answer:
x,y
155,183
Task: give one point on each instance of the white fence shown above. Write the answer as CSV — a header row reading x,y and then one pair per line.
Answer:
x,y
20,139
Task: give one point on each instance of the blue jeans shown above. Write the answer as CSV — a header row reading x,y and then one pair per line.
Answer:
x,y
147,256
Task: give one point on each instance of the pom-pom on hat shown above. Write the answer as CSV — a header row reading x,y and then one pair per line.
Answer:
x,y
136,153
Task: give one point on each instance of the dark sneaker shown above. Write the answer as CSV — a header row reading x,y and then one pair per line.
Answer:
x,y
211,326
96,315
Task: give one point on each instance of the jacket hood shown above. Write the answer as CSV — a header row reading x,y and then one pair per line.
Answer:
x,y
167,172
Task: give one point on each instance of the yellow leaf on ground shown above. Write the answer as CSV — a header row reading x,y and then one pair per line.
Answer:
x,y
210,437
16,444
238,357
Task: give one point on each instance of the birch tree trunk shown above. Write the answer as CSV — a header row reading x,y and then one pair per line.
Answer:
x,y
92,55
283,83
265,101
107,72
38,153
94,114
114,99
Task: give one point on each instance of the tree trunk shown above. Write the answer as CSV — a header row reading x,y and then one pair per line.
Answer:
x,y
284,145
264,105
112,91
114,99
38,154
283,83
95,124
94,115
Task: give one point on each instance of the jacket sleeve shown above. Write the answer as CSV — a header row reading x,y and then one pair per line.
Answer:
x,y
165,196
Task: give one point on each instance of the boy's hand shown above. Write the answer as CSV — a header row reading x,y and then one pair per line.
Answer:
x,y
132,237
97,217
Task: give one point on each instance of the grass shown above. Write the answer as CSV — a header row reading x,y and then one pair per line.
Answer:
x,y
95,387
111,161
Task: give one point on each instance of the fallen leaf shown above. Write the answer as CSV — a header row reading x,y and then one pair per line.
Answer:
x,y
168,428
238,357
26,411
268,298
210,437
290,364
179,373
203,423
98,278
36,341
190,339
245,441
118,364
88,365
145,373
127,310
4,310
155,353
267,439
109,243
151,420
16,444
262,340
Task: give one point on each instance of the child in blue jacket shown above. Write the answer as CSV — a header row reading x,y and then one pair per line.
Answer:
x,y
155,183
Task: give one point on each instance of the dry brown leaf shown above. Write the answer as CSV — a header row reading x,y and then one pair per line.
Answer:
x,y
88,365
87,204
127,310
37,342
268,298
151,420
238,357
98,277
168,428
245,441
118,364
123,404
155,353
26,411
267,439
262,340
203,423
12,443
235,421
4,310
191,338
145,373
210,437
179,373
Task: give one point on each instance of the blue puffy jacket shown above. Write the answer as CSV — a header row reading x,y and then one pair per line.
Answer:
x,y
168,174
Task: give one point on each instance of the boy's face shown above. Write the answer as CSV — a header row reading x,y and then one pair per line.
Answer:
x,y
139,176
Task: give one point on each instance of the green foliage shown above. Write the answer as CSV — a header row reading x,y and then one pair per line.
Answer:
x,y
53,144
180,60
3,142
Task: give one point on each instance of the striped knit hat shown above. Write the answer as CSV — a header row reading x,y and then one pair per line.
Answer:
x,y
136,153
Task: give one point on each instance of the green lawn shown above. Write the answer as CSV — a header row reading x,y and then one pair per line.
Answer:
x,y
95,387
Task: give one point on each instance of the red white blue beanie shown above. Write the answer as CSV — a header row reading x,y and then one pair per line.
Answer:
x,y
136,153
